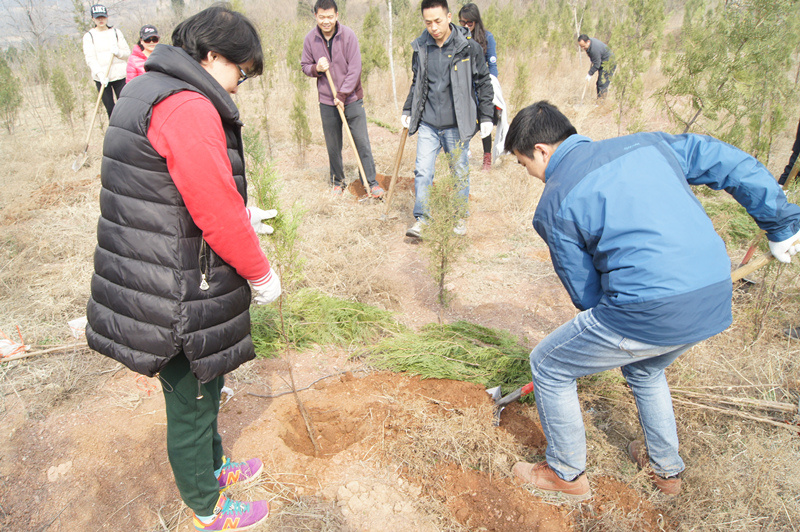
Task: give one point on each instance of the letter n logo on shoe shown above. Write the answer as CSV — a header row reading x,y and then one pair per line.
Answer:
x,y
232,477
231,524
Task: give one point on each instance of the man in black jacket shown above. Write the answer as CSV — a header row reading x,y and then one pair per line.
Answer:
x,y
602,59
450,96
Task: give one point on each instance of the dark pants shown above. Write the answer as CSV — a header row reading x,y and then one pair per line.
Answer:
x,y
193,444
114,87
604,75
332,129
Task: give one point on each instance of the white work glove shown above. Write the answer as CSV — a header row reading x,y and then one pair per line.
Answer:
x,y
257,216
405,121
588,77
104,81
267,289
115,50
786,249
486,129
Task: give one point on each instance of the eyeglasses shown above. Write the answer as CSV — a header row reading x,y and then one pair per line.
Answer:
x,y
243,77
466,22
151,39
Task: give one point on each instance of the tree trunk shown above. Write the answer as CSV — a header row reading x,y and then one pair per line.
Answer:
x,y
391,58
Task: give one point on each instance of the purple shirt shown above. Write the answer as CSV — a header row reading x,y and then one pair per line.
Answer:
x,y
345,64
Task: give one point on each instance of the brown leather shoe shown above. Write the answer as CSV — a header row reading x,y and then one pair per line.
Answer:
x,y
542,477
637,451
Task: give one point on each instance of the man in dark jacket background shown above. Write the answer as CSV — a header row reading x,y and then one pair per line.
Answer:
x,y
333,46
450,96
602,59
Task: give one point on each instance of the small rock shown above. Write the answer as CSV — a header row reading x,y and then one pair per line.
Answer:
x,y
343,494
355,504
353,486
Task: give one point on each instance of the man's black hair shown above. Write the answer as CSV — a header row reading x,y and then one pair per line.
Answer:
x,y
325,4
583,37
540,123
429,4
221,30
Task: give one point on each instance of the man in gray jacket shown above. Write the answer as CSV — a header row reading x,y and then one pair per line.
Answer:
x,y
602,59
450,96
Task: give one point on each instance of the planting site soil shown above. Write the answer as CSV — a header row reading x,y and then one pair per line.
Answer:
x,y
83,439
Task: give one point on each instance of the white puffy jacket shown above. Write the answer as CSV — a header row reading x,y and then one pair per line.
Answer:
x,y
97,48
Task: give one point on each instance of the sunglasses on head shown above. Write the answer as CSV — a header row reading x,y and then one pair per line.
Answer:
x,y
151,39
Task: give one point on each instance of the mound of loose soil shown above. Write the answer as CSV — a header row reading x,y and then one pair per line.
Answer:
x,y
393,452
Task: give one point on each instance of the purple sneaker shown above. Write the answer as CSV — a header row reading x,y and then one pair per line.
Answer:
x,y
235,515
232,472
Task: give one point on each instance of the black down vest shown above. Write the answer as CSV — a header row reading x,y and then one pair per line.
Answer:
x,y
158,288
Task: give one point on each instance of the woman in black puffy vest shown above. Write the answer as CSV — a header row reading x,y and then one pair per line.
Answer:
x,y
177,246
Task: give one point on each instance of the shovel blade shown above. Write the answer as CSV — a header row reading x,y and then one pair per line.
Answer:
x,y
495,393
80,161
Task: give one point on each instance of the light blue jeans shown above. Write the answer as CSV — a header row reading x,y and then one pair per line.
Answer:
x,y
429,142
583,346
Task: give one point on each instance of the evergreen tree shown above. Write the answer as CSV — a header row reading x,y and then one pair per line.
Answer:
x,y
636,43
731,75
10,95
63,94
373,36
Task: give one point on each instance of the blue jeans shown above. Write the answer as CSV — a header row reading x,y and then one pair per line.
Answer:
x,y
429,142
583,346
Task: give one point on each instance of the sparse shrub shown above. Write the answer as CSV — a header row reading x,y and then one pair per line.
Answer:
x,y
63,94
266,190
636,42
730,73
373,36
446,209
10,95
519,92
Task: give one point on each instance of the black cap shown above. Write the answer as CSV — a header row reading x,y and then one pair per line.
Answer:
x,y
98,10
147,31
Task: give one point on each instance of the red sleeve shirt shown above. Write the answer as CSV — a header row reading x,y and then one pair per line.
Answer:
x,y
186,130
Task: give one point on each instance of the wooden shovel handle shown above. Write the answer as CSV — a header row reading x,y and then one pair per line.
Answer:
x,y
349,134
743,271
397,160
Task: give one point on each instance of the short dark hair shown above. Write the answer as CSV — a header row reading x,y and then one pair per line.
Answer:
x,y
224,31
540,123
325,4
429,4
583,37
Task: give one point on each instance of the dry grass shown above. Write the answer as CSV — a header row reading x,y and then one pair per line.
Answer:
x,y
741,475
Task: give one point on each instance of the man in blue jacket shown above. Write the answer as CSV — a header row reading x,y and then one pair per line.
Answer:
x,y
641,260
450,99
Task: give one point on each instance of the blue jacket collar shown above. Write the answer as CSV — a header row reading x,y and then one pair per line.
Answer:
x,y
563,149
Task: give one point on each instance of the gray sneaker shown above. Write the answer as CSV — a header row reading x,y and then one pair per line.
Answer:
x,y
461,227
415,231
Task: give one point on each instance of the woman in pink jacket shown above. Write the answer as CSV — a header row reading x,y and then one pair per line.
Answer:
x,y
148,39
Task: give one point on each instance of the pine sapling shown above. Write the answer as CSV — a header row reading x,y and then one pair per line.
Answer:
x,y
448,208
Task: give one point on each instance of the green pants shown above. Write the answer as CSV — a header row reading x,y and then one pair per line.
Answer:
x,y
193,444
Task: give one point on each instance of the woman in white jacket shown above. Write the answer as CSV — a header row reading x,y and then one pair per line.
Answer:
x,y
106,52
